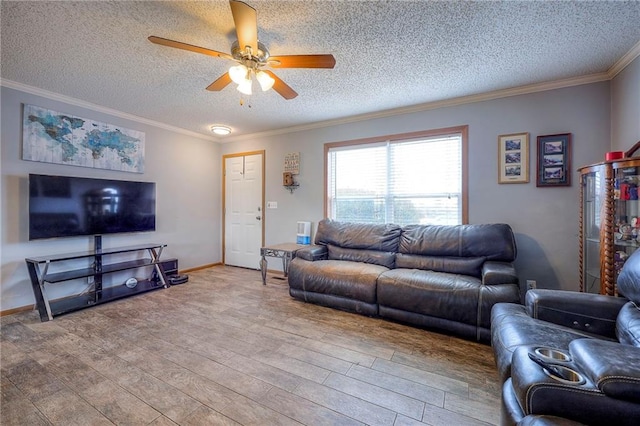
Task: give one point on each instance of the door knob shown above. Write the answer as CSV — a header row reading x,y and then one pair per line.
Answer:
x,y
258,217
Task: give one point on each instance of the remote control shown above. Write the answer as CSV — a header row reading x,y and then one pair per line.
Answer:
x,y
550,368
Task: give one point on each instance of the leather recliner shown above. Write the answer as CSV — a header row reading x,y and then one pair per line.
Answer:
x,y
600,337
445,278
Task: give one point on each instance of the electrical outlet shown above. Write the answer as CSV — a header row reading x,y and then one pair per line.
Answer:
x,y
531,284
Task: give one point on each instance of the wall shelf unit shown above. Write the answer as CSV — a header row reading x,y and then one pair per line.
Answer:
x,y
102,263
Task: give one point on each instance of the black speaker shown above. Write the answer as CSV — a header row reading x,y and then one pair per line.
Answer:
x,y
169,267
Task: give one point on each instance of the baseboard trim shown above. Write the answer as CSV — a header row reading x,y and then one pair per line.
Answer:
x,y
32,307
199,268
17,310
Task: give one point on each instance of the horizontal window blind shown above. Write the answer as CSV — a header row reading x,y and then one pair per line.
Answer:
x,y
399,181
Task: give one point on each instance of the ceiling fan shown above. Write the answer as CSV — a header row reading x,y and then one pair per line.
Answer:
x,y
252,56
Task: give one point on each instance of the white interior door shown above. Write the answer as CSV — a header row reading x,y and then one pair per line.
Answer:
x,y
243,210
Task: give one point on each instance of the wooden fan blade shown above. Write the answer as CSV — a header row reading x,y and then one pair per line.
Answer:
x,y
281,87
189,47
302,61
246,20
220,83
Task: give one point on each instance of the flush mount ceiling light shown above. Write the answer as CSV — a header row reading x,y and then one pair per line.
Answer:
x,y
221,130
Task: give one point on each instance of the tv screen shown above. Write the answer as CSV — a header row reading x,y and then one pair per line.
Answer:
x,y
64,206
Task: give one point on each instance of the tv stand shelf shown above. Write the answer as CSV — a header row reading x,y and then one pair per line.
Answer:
x,y
39,273
89,272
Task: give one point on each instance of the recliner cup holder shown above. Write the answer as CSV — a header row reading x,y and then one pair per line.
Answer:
x,y
552,355
575,378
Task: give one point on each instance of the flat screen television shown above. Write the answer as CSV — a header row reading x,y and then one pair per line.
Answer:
x,y
65,206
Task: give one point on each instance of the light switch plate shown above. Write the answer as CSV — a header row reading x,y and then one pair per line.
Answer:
x,y
272,204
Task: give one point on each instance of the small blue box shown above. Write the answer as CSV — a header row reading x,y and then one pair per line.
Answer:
x,y
303,239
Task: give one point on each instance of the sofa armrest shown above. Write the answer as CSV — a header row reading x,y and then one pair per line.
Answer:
x,y
585,312
494,272
313,252
536,392
611,366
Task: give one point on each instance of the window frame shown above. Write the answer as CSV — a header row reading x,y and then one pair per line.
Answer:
x,y
463,131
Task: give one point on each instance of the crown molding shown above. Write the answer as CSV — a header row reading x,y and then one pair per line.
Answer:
x,y
83,104
445,103
626,59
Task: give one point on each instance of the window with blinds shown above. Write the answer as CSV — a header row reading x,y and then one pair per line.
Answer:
x,y
404,180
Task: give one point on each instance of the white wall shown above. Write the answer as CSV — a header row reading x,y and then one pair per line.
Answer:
x,y
188,175
545,220
625,108
187,172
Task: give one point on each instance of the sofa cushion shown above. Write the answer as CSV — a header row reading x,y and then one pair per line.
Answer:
x,y
628,324
491,241
455,265
382,258
355,280
365,236
430,293
628,282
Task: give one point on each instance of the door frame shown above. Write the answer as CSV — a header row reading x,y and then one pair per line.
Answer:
x,y
262,153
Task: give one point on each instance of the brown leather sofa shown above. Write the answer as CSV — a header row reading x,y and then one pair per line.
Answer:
x,y
445,278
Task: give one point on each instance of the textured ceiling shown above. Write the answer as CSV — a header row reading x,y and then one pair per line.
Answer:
x,y
389,54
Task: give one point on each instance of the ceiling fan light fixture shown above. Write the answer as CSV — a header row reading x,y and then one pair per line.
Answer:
x,y
239,73
265,80
245,87
220,130
251,57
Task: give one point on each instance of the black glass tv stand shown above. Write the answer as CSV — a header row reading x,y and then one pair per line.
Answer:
x,y
43,270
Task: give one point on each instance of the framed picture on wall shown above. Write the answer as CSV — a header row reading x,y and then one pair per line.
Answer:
x,y
554,160
513,158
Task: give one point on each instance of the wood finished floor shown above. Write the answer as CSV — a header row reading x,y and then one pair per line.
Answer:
x,y
224,349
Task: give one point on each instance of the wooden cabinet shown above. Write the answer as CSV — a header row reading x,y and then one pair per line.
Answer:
x,y
609,222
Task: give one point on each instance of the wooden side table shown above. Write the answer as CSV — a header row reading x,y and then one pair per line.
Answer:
x,y
284,251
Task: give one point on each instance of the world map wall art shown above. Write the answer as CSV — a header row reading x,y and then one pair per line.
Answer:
x,y
53,137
